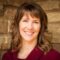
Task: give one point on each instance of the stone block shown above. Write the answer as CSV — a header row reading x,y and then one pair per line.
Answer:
x,y
1,10
47,0
9,13
1,1
54,28
56,47
59,4
9,26
3,25
54,25
53,17
49,5
56,38
9,16
5,40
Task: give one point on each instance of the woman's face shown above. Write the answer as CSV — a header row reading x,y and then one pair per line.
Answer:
x,y
29,27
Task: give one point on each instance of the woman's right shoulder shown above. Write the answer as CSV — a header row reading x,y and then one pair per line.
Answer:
x,y
7,55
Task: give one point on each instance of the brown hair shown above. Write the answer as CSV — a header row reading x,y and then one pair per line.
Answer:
x,y
35,10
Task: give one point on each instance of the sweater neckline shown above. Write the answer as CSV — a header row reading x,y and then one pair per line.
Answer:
x,y
30,54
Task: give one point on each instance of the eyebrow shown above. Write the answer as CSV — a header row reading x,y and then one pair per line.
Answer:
x,y
36,20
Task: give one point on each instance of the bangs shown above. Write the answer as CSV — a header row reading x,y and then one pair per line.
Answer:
x,y
31,8
33,13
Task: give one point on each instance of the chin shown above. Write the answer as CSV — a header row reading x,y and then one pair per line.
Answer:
x,y
28,39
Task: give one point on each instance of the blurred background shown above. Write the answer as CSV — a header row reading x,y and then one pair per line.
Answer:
x,y
7,13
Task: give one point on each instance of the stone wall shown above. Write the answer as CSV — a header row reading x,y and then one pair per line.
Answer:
x,y
7,12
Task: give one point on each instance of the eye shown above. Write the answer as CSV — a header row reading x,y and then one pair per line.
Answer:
x,y
36,22
25,20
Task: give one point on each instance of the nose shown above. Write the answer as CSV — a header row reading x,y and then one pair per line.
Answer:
x,y
30,25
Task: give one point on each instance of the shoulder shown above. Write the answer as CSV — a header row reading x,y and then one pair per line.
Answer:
x,y
53,52
52,55
8,55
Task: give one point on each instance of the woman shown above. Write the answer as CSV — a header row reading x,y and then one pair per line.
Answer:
x,y
29,35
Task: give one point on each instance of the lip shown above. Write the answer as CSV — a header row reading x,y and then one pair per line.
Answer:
x,y
29,33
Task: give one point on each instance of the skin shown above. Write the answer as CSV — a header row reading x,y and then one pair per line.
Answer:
x,y
29,27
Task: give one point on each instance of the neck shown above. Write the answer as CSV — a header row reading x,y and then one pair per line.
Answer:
x,y
29,44
26,48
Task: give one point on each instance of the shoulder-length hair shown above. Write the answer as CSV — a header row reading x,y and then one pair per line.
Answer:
x,y
35,10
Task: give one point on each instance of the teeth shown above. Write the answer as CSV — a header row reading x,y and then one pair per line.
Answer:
x,y
29,33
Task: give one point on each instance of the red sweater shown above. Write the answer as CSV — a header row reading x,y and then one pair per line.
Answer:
x,y
36,54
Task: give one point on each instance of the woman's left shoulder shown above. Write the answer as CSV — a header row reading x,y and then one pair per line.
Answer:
x,y
54,52
53,55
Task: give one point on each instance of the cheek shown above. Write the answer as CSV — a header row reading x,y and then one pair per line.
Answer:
x,y
37,28
21,27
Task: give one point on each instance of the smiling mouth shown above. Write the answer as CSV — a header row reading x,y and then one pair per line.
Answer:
x,y
29,33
